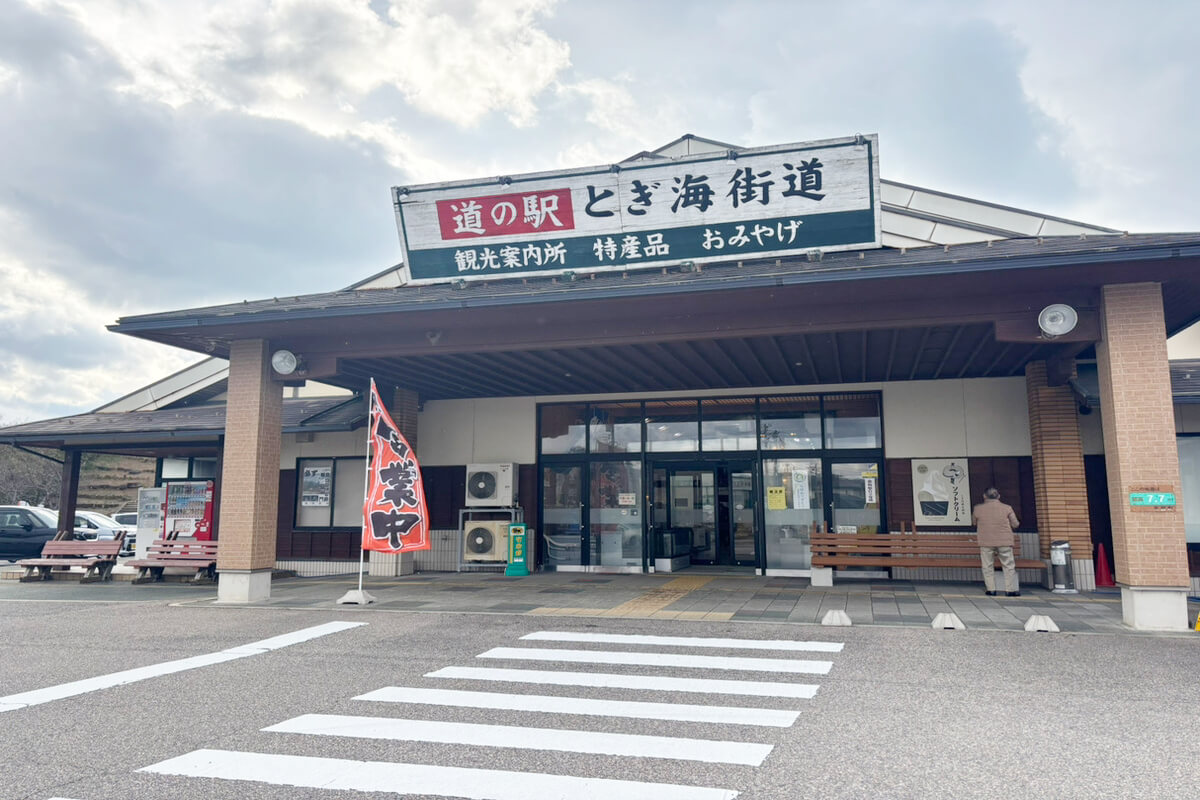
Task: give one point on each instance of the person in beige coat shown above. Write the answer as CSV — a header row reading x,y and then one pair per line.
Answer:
x,y
994,523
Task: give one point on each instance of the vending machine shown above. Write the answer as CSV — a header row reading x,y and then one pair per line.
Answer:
x,y
188,510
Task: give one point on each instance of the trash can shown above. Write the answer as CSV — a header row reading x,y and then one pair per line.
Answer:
x,y
1061,575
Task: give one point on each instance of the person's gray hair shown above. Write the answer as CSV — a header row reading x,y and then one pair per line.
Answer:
x,y
992,493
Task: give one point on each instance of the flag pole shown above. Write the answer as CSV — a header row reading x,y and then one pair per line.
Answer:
x,y
360,597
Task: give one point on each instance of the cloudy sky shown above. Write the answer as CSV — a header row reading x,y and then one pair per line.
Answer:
x,y
158,155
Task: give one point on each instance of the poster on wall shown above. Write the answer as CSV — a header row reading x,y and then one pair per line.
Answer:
x,y
315,486
941,491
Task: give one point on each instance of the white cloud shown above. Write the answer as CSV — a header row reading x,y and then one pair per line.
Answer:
x,y
42,314
318,63
1117,99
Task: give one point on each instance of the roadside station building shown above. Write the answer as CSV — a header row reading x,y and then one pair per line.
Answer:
x,y
699,356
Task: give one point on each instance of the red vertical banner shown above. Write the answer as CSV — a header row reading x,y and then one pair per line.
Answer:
x,y
395,518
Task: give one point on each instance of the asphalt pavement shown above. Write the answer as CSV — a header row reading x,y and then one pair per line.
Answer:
x,y
897,710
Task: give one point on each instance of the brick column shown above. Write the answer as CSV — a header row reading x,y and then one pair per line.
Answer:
x,y
1058,478
249,475
403,408
1140,452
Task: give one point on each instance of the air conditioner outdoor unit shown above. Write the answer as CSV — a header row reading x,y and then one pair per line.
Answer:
x,y
492,485
485,540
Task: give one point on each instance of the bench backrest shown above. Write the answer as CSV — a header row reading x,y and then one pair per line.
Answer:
x,y
182,547
906,543
88,547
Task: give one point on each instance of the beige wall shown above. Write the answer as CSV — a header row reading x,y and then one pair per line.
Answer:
x,y
484,431
323,445
983,417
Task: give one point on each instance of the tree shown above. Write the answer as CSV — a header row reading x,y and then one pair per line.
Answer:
x,y
27,477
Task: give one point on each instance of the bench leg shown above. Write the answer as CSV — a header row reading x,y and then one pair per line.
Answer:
x,y
822,576
90,575
149,575
35,574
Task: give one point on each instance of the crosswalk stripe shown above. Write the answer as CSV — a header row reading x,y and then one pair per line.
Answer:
x,y
680,712
514,736
13,702
684,641
419,779
614,681
661,660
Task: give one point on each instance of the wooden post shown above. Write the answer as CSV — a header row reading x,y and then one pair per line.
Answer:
x,y
67,494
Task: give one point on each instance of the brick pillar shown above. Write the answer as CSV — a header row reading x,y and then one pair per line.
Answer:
x,y
1058,478
1149,548
249,475
403,408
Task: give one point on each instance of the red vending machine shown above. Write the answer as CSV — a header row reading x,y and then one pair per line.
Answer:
x,y
189,510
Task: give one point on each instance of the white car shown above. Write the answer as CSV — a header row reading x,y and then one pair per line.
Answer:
x,y
94,525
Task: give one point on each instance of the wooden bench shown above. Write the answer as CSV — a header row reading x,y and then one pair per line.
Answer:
x,y
191,553
910,550
96,556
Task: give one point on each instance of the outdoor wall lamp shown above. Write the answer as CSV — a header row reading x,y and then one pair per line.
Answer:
x,y
1057,319
285,362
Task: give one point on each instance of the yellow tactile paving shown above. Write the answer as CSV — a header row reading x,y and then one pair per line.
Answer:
x,y
654,601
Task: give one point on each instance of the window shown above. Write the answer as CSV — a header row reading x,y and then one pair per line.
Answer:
x,y
790,422
616,428
728,423
563,428
852,421
672,426
329,492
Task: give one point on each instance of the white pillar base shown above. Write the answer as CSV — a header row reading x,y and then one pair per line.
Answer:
x,y
243,586
821,576
1150,608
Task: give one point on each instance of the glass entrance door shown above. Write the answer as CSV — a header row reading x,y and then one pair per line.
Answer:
x,y
563,531
717,503
853,498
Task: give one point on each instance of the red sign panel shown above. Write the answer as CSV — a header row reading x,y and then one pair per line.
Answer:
x,y
542,211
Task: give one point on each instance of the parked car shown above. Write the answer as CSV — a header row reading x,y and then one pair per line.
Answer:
x,y
94,525
126,518
24,529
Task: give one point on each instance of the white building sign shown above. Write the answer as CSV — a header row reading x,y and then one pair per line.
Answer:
x,y
732,205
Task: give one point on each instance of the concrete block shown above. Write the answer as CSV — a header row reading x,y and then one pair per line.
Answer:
x,y
835,616
821,576
1040,623
948,621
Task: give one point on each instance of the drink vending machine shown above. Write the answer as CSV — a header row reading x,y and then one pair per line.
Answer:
x,y
188,510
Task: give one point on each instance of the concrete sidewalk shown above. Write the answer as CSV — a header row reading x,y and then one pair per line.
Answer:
x,y
713,596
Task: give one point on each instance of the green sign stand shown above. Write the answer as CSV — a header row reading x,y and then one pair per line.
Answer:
x,y
517,552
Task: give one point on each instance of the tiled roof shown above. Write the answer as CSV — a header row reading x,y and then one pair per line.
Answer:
x,y
299,415
1002,254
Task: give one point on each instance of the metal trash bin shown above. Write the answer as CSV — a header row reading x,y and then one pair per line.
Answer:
x,y
1061,575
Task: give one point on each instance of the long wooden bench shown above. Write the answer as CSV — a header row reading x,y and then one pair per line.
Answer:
x,y
910,550
96,556
194,554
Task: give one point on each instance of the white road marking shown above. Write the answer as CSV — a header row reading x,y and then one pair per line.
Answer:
x,y
419,779
685,641
790,665
13,702
608,680
522,738
680,712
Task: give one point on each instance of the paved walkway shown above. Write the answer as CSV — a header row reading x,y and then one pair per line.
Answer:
x,y
691,595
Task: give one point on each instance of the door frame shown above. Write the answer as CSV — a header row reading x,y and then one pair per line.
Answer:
x,y
718,465
853,457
